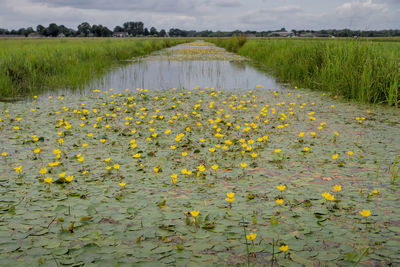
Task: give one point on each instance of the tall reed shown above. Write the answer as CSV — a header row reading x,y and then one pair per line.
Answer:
x,y
29,66
368,71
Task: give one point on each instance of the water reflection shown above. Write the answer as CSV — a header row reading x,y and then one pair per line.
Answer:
x,y
184,67
166,74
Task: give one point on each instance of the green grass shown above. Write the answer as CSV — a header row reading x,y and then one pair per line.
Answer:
x,y
364,70
31,66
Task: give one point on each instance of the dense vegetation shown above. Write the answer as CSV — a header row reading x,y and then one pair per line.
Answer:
x,y
29,66
367,71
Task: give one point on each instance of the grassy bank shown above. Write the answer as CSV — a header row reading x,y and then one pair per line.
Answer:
x,y
365,70
31,66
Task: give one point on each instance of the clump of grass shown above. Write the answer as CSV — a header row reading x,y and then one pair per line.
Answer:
x,y
356,69
30,66
395,170
233,44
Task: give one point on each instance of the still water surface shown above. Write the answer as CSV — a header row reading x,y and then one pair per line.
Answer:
x,y
186,66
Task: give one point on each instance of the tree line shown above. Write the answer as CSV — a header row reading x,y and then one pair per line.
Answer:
x,y
137,28
86,30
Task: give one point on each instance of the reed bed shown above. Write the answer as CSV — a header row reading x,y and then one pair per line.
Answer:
x,y
364,70
32,66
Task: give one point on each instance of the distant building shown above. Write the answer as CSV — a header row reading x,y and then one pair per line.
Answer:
x,y
307,34
61,35
281,34
120,34
35,35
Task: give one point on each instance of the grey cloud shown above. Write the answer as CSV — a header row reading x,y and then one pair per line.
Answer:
x,y
226,3
167,6
133,5
205,14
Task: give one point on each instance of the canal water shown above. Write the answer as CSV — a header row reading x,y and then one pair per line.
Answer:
x,y
192,65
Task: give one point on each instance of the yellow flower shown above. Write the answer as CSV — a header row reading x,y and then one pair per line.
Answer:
x,y
156,170
337,188
80,159
243,164
108,168
254,155
301,134
279,201
214,167
48,180
195,213
376,192
306,149
251,236
137,155
350,153
103,140
365,213
184,154
230,200
122,184
230,195
174,180
60,141
43,170
62,175
211,149
281,187
107,159
328,196
168,131
173,147
69,178
277,151
201,168
116,166
4,154
36,150
18,169
335,156
284,248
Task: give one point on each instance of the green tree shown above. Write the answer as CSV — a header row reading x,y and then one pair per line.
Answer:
x,y
84,29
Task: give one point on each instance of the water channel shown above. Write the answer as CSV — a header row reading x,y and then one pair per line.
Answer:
x,y
196,64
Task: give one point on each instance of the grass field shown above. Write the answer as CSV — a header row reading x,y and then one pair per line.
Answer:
x,y
30,66
367,70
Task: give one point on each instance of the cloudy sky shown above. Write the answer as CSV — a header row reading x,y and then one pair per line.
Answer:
x,y
206,14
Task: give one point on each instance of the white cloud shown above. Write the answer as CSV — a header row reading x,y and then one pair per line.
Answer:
x,y
361,9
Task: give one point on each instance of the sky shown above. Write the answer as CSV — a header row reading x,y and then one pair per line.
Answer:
x,y
224,15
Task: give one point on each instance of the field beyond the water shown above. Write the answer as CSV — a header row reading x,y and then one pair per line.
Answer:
x,y
33,66
367,70
199,177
